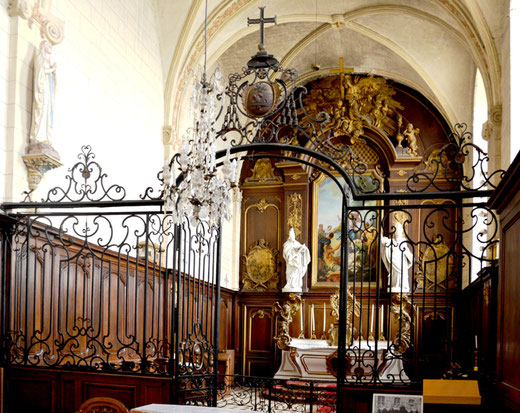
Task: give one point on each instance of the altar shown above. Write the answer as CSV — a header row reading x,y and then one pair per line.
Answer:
x,y
311,359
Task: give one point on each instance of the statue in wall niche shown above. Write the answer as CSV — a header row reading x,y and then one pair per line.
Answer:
x,y
398,260
297,258
44,94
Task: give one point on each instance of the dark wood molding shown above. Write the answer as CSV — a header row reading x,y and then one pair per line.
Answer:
x,y
508,187
506,201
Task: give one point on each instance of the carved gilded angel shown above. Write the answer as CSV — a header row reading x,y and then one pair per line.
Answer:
x,y
411,135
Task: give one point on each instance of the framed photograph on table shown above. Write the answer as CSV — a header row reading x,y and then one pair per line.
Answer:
x,y
327,237
396,403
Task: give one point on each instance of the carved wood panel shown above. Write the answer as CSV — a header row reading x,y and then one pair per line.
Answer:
x,y
258,341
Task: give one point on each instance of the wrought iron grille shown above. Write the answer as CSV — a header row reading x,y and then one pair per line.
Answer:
x,y
93,281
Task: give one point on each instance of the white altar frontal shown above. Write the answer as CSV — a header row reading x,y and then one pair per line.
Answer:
x,y
307,359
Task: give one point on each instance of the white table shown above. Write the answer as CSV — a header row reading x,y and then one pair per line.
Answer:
x,y
173,408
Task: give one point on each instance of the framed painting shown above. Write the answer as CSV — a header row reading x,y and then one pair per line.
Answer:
x,y
327,237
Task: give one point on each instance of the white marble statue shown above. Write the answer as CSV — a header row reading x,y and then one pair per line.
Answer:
x,y
398,260
43,97
297,258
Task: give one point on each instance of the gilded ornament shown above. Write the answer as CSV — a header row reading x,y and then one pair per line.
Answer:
x,y
438,162
261,267
353,311
261,314
436,264
401,310
411,135
38,164
286,312
262,205
354,102
295,214
263,172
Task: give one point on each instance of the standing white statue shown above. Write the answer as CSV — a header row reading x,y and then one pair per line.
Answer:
x,y
44,93
297,258
398,259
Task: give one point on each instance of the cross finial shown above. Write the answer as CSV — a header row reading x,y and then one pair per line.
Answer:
x,y
342,70
261,21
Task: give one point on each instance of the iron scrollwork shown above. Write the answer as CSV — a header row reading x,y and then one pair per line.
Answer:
x,y
456,166
86,182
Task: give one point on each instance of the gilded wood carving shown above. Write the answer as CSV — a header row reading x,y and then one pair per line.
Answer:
x,y
353,310
401,310
354,102
261,272
436,265
262,173
286,312
295,214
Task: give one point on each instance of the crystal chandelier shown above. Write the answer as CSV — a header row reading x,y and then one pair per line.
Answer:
x,y
202,195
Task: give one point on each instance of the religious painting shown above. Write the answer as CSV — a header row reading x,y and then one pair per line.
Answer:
x,y
327,236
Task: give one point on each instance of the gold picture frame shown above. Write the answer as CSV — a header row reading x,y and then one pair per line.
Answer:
x,y
326,237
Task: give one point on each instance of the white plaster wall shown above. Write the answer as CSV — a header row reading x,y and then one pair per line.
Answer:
x,y
109,91
4,57
502,145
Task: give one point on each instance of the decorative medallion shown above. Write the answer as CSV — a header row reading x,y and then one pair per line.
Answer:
x,y
261,268
260,99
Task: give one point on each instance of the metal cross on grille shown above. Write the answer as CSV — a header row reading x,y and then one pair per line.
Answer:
x,y
261,21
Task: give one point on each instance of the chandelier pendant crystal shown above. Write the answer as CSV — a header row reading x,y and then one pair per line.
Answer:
x,y
203,194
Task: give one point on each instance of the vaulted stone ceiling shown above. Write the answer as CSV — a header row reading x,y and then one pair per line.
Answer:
x,y
434,46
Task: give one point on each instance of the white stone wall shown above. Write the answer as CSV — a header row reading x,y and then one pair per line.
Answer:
x,y
4,70
109,92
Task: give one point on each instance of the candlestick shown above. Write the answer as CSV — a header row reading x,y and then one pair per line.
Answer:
x,y
382,324
371,331
301,323
323,334
476,342
313,323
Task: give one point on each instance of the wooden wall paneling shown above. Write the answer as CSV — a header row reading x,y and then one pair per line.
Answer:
x,y
226,320
509,333
70,391
127,394
506,201
262,217
262,214
58,391
258,343
31,391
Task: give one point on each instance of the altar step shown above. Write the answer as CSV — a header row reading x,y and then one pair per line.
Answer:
x,y
322,395
283,397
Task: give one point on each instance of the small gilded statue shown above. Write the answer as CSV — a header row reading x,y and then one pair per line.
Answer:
x,y
411,135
